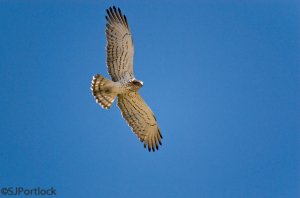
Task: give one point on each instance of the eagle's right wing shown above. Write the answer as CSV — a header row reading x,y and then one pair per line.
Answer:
x,y
141,119
119,48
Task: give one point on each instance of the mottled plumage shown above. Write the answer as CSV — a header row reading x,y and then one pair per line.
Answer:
x,y
119,60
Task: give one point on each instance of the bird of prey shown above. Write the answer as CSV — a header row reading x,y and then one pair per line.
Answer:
x,y
123,84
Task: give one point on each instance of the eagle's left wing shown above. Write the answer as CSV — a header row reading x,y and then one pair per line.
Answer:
x,y
140,118
119,48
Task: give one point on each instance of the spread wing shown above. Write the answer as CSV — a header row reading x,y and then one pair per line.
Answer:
x,y
141,119
119,48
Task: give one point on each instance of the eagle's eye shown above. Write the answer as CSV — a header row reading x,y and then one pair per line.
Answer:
x,y
137,83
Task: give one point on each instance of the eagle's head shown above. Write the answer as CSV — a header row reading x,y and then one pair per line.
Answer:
x,y
137,84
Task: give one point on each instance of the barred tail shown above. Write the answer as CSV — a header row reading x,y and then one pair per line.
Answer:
x,y
102,91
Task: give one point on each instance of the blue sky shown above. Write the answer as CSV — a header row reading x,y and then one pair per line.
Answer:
x,y
222,78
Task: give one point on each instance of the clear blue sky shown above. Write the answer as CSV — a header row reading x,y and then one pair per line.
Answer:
x,y
223,80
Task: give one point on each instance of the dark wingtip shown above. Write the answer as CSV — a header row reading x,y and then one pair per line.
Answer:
x,y
152,149
125,19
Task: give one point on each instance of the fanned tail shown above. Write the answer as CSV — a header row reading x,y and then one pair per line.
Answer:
x,y
102,91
